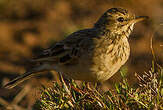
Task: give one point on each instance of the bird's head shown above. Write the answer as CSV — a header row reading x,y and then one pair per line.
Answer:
x,y
118,20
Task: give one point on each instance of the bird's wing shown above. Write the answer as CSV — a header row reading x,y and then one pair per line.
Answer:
x,y
67,50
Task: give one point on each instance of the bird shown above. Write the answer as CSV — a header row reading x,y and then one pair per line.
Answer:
x,y
94,54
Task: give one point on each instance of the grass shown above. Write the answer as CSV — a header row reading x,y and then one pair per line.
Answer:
x,y
147,95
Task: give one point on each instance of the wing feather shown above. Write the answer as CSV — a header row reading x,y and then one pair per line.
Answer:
x,y
67,50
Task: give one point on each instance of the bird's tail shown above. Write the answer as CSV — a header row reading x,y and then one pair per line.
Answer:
x,y
24,76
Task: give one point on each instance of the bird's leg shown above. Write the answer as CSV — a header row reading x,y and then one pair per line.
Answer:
x,y
64,84
97,85
88,86
66,87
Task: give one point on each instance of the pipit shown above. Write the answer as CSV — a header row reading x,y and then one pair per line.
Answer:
x,y
92,55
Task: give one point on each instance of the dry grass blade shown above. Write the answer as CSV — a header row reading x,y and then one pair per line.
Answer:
x,y
146,96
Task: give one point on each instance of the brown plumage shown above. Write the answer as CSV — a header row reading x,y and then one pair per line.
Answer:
x,y
93,54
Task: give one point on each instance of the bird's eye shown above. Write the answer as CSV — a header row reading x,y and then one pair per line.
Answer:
x,y
120,19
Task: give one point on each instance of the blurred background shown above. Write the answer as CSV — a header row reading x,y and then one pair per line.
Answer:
x,y
28,26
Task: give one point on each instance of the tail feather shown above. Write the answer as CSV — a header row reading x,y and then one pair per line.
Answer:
x,y
18,80
25,76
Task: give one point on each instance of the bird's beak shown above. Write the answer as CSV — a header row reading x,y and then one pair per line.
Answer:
x,y
138,19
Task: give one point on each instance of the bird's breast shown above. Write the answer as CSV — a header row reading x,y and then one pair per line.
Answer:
x,y
110,57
